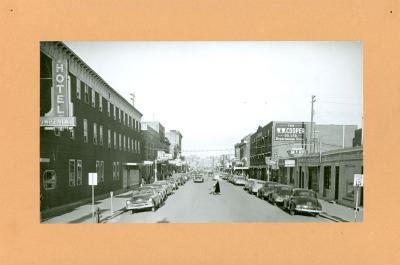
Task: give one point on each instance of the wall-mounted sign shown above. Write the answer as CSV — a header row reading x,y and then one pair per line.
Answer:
x,y
60,112
358,180
289,131
296,151
290,163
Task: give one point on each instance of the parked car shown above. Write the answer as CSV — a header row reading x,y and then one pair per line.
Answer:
x,y
258,184
280,193
198,179
266,190
159,188
167,185
144,199
249,182
303,200
239,180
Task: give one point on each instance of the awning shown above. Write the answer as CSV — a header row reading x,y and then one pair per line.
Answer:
x,y
240,168
131,164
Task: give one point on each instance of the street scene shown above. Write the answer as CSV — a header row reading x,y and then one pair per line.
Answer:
x,y
201,132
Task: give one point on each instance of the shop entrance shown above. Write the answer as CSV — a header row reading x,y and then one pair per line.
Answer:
x,y
313,178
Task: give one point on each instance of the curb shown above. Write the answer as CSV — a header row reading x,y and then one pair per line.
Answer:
x,y
332,218
115,214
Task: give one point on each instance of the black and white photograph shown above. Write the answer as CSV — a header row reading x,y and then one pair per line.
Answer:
x,y
201,132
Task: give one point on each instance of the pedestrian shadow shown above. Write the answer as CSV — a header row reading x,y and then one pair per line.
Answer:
x,y
163,221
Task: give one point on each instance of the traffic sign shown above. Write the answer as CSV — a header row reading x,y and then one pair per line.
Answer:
x,y
93,179
358,180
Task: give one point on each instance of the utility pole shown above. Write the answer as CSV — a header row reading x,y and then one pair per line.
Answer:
x,y
312,121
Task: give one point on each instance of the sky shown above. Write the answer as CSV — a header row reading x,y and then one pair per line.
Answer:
x,y
216,93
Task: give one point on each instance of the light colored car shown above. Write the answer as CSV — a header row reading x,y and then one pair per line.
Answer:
x,y
144,199
258,184
248,184
198,179
159,188
167,185
239,180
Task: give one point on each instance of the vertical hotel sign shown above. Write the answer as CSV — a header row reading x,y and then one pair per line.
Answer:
x,y
60,114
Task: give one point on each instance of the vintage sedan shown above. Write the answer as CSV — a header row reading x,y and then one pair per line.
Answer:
x,y
248,184
167,185
143,199
239,180
266,190
198,179
162,190
258,184
280,193
304,201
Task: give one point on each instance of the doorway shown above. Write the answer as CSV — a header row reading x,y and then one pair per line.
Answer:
x,y
337,183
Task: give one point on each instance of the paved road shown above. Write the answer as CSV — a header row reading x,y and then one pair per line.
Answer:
x,y
192,203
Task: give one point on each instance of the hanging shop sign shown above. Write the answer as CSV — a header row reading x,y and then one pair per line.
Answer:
x,y
289,131
61,106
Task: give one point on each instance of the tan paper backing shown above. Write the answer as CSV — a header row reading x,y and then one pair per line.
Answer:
x,y
24,23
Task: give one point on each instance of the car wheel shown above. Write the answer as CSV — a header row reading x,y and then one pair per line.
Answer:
x,y
291,209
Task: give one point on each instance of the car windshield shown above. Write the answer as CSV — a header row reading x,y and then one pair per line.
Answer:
x,y
304,193
284,190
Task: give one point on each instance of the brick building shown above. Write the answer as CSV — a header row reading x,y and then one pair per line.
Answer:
x,y
86,126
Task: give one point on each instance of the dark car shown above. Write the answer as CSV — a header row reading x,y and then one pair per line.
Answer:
x,y
280,193
304,201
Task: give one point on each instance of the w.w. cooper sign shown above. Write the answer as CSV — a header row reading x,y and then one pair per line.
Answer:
x,y
59,114
289,131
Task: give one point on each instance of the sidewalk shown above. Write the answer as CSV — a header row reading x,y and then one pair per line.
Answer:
x,y
83,214
340,213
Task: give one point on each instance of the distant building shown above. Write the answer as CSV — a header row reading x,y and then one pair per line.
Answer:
x,y
357,140
175,139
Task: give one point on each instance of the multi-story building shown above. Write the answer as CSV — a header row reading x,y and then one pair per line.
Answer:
x,y
155,145
175,139
86,127
278,140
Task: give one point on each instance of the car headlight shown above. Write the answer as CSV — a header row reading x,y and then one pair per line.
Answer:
x,y
128,202
150,200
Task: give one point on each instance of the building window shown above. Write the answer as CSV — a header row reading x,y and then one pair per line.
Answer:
x,y
49,179
115,112
100,103
109,138
86,92
132,146
93,98
138,146
135,146
78,88
123,117
349,188
129,144
101,134
120,141
71,172
327,177
94,133
124,143
119,115
140,126
133,124
115,140
78,172
115,170
72,134
108,109
85,131
100,170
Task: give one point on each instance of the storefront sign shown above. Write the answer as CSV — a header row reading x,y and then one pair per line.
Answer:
x,y
296,151
289,131
290,163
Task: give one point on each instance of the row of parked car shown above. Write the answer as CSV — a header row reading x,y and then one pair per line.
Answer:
x,y
152,196
294,200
